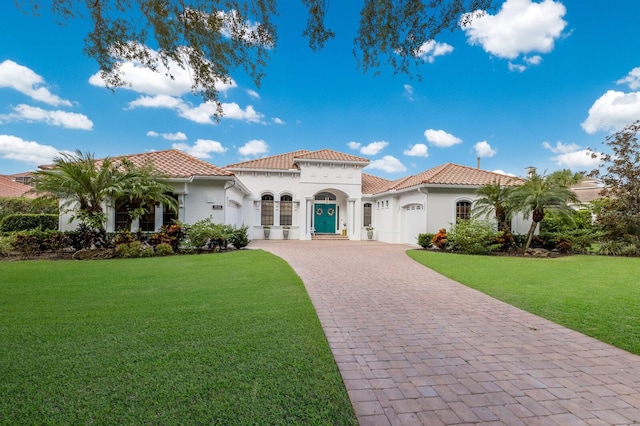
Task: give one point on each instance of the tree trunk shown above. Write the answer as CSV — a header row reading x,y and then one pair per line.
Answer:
x,y
532,229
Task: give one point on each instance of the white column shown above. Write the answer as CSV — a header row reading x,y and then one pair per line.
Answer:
x,y
308,223
351,218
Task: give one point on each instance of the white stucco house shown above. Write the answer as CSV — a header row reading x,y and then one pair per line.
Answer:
x,y
313,193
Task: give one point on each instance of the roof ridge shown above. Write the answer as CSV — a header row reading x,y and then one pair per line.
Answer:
x,y
292,154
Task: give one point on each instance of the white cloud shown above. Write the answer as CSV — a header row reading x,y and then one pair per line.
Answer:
x,y
27,82
203,113
408,91
417,150
354,145
277,120
158,101
143,80
233,111
254,148
373,148
519,28
15,148
69,120
502,172
432,49
572,155
632,79
561,148
440,138
577,159
484,150
178,136
253,94
202,148
387,164
613,111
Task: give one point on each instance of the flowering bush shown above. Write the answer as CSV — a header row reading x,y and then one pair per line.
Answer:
x,y
440,239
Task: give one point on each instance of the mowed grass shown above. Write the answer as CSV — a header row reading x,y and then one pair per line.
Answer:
x,y
595,295
228,339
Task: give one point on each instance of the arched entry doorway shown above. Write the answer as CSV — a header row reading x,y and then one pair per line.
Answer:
x,y
325,213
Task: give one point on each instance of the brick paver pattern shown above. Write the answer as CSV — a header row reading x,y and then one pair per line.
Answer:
x,y
415,347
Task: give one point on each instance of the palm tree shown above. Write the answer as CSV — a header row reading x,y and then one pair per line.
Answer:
x,y
81,186
145,190
541,193
494,200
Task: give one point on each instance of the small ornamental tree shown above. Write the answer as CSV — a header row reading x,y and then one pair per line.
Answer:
x,y
619,213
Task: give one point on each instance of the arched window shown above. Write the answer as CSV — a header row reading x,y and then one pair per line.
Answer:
x,y
122,215
324,196
463,210
366,214
286,210
266,209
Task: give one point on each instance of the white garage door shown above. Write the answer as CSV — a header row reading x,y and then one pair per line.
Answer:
x,y
415,222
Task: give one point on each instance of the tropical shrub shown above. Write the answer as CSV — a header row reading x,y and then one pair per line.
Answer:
x,y
425,240
440,239
206,235
21,205
34,242
164,249
240,238
168,234
134,249
5,245
26,222
473,237
86,237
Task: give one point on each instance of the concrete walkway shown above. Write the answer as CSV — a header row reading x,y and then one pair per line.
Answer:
x,y
414,347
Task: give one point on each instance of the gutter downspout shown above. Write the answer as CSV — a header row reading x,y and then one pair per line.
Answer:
x,y
426,214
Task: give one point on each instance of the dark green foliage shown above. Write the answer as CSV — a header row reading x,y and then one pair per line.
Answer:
x,y
206,235
35,242
425,240
27,222
86,237
240,238
473,237
15,205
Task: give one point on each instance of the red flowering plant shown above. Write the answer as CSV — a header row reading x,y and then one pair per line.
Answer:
x,y
440,239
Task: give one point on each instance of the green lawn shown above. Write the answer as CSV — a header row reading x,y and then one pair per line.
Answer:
x,y
596,295
218,339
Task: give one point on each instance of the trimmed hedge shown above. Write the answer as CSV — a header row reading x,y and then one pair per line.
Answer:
x,y
28,222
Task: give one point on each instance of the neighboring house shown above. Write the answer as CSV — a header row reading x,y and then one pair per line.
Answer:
x,y
315,192
587,191
11,188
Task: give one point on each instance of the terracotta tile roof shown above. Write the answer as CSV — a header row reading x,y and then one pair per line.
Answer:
x,y
288,161
330,155
9,188
455,174
275,162
172,163
374,184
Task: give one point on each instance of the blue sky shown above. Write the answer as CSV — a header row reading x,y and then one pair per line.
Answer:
x,y
533,83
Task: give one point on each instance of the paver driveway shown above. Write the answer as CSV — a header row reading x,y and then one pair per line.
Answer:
x,y
414,347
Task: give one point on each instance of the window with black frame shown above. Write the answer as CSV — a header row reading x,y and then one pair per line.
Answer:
x,y
266,210
286,210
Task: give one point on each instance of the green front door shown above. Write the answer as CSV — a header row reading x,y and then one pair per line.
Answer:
x,y
324,220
